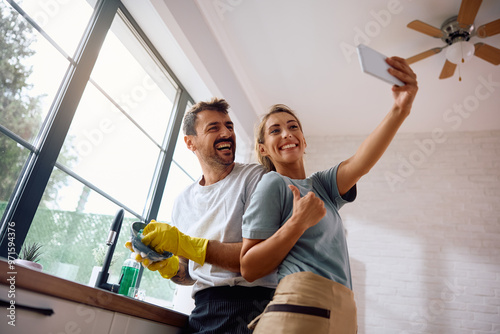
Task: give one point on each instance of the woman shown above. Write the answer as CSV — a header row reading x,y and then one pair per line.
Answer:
x,y
293,225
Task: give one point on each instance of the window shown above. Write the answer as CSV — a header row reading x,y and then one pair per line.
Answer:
x,y
109,121
28,88
184,170
13,157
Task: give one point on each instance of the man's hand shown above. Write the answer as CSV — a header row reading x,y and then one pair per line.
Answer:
x,y
163,237
167,268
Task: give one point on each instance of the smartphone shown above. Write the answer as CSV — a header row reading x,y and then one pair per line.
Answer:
x,y
373,63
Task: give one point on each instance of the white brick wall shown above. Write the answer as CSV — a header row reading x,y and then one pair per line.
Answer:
x,y
424,232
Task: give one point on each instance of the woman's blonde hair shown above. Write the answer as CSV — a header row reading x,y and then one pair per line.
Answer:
x,y
260,129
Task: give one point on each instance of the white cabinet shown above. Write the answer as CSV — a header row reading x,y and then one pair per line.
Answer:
x,y
69,317
123,324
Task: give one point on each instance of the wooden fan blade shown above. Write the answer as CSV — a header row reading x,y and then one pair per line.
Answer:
x,y
448,70
487,52
489,29
425,28
423,55
468,11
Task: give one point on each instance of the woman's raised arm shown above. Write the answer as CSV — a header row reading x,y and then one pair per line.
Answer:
x,y
374,146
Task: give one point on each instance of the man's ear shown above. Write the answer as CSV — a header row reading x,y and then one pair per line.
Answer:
x,y
189,140
262,150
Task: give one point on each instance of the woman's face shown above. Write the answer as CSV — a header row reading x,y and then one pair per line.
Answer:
x,y
284,142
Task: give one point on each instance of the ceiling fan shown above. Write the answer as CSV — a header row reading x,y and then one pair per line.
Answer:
x,y
456,33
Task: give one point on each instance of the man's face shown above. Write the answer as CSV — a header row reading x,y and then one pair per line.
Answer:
x,y
215,141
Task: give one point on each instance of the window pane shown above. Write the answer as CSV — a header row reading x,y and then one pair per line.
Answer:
x,y
176,182
73,236
186,158
12,159
63,21
159,291
128,74
65,193
32,71
184,170
111,152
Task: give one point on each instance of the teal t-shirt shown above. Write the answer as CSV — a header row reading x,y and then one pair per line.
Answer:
x,y
322,249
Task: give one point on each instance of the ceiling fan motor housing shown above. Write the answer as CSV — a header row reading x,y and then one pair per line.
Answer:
x,y
455,31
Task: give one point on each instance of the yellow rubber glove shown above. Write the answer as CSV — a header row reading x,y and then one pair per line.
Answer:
x,y
166,238
167,268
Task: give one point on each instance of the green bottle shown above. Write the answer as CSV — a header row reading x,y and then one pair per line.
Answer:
x,y
129,273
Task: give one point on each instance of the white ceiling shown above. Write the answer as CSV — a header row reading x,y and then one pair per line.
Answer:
x,y
256,53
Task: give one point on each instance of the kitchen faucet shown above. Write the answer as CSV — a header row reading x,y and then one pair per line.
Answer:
x,y
114,232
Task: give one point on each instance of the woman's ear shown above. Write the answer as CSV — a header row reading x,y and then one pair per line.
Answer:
x,y
262,150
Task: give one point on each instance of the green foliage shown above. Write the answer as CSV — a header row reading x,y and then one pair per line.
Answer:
x,y
20,111
69,240
100,254
31,252
15,38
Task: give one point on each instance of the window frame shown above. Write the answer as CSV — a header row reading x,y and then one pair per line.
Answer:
x,y
31,184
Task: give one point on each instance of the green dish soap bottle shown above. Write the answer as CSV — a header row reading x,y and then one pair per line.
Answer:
x,y
129,273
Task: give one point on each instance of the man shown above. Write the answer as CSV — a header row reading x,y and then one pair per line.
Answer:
x,y
209,214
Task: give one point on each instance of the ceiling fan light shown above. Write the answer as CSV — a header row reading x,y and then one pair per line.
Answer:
x,y
460,52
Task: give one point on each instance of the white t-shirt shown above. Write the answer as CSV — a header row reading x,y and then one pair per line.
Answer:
x,y
215,212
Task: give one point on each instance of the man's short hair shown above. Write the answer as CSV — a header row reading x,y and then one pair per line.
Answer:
x,y
189,123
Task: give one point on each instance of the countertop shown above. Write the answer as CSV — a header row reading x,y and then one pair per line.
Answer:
x,y
43,283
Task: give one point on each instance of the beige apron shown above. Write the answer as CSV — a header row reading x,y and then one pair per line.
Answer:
x,y
308,303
